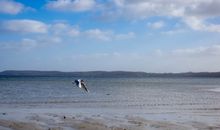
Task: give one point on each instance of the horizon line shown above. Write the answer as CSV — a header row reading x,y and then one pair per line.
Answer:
x,y
115,71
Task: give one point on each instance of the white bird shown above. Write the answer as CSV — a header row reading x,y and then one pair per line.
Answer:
x,y
81,84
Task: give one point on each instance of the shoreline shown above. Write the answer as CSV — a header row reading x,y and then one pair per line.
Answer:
x,y
53,117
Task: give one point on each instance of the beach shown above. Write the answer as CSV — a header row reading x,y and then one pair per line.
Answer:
x,y
109,64
112,104
64,117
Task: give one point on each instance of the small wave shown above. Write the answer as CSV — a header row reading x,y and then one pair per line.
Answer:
x,y
215,90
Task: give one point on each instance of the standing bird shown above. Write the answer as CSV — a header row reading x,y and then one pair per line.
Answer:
x,y
81,84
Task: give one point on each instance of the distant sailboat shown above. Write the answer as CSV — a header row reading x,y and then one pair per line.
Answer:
x,y
81,84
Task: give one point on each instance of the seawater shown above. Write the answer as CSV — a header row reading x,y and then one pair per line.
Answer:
x,y
147,94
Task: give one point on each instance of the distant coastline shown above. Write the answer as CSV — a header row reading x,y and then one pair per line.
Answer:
x,y
34,73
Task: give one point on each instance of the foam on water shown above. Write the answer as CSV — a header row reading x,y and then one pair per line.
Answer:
x,y
215,89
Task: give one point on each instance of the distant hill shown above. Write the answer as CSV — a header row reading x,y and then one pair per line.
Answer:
x,y
27,73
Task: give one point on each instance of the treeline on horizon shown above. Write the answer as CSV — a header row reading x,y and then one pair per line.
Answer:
x,y
29,73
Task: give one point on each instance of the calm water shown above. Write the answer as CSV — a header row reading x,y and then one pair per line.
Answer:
x,y
159,94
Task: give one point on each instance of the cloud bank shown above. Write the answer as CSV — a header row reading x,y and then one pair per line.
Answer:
x,y
71,5
194,13
23,26
11,7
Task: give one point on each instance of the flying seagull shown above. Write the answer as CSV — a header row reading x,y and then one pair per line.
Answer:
x,y
81,84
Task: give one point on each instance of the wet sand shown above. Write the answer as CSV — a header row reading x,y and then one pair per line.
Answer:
x,y
94,123
60,118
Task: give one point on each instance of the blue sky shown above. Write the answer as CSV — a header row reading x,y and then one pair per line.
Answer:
x,y
130,35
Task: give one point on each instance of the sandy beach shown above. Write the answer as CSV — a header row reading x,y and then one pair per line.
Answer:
x,y
64,117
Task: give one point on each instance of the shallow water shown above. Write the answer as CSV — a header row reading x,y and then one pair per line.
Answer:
x,y
150,95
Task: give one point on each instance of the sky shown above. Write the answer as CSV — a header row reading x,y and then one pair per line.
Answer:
x,y
110,35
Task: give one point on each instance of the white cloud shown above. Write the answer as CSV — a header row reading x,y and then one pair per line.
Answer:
x,y
158,52
99,34
27,43
59,28
158,61
72,5
24,26
213,50
46,35
30,43
156,25
119,3
45,40
10,7
208,8
65,29
199,24
129,35
101,61
107,35
73,32
193,13
70,31
173,32
203,58
144,9
23,44
197,59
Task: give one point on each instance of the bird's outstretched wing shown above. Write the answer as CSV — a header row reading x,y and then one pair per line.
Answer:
x,y
83,85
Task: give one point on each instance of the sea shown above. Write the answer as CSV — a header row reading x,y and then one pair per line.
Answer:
x,y
151,95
